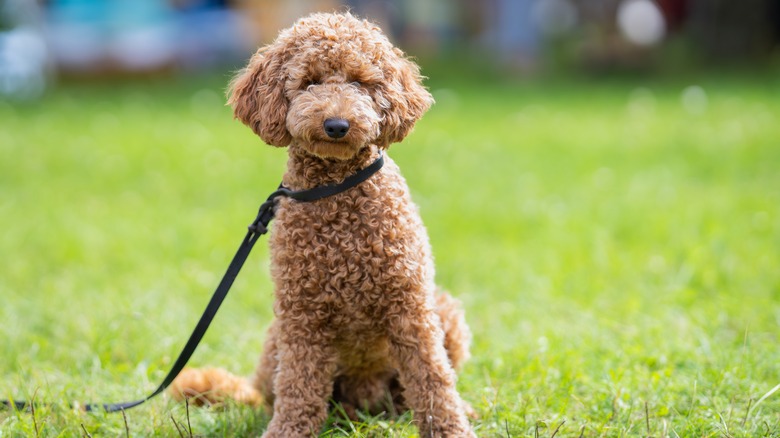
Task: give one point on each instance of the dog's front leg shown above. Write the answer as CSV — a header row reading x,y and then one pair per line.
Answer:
x,y
417,343
303,382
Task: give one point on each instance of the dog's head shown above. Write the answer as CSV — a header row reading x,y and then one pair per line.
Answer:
x,y
331,84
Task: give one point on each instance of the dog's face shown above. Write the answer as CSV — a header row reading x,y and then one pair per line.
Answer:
x,y
331,84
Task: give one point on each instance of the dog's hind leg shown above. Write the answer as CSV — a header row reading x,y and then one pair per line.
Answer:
x,y
213,386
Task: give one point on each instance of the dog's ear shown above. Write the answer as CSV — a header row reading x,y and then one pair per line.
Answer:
x,y
403,98
257,96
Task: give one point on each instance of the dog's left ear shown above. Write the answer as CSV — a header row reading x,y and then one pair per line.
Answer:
x,y
403,98
257,95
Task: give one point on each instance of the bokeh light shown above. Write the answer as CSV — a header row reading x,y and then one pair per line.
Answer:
x,y
641,22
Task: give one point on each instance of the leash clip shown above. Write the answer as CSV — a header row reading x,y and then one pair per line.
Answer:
x,y
267,211
264,215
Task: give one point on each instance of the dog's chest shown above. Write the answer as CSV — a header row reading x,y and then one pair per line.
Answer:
x,y
349,252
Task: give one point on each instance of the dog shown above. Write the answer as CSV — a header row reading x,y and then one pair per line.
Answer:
x,y
358,318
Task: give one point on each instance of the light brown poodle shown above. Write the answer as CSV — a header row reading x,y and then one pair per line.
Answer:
x,y
359,320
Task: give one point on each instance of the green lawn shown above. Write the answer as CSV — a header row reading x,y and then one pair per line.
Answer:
x,y
616,246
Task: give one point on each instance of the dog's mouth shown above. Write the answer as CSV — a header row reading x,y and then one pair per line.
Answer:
x,y
341,150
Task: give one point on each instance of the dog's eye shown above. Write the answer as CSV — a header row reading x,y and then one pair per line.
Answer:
x,y
309,82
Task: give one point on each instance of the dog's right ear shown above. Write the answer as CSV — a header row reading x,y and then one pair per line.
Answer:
x,y
257,96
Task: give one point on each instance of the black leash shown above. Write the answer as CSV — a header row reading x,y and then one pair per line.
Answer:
x,y
257,228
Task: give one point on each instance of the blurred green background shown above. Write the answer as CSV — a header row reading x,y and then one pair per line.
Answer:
x,y
607,208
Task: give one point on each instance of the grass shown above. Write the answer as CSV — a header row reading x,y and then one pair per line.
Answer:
x,y
616,247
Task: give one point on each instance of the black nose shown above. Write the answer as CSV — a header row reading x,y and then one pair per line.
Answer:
x,y
336,128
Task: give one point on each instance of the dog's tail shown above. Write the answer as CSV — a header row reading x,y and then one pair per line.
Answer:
x,y
214,387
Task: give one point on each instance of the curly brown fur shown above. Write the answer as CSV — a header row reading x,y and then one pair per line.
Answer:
x,y
358,317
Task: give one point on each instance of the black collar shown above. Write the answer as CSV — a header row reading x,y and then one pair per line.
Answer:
x,y
324,191
266,212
